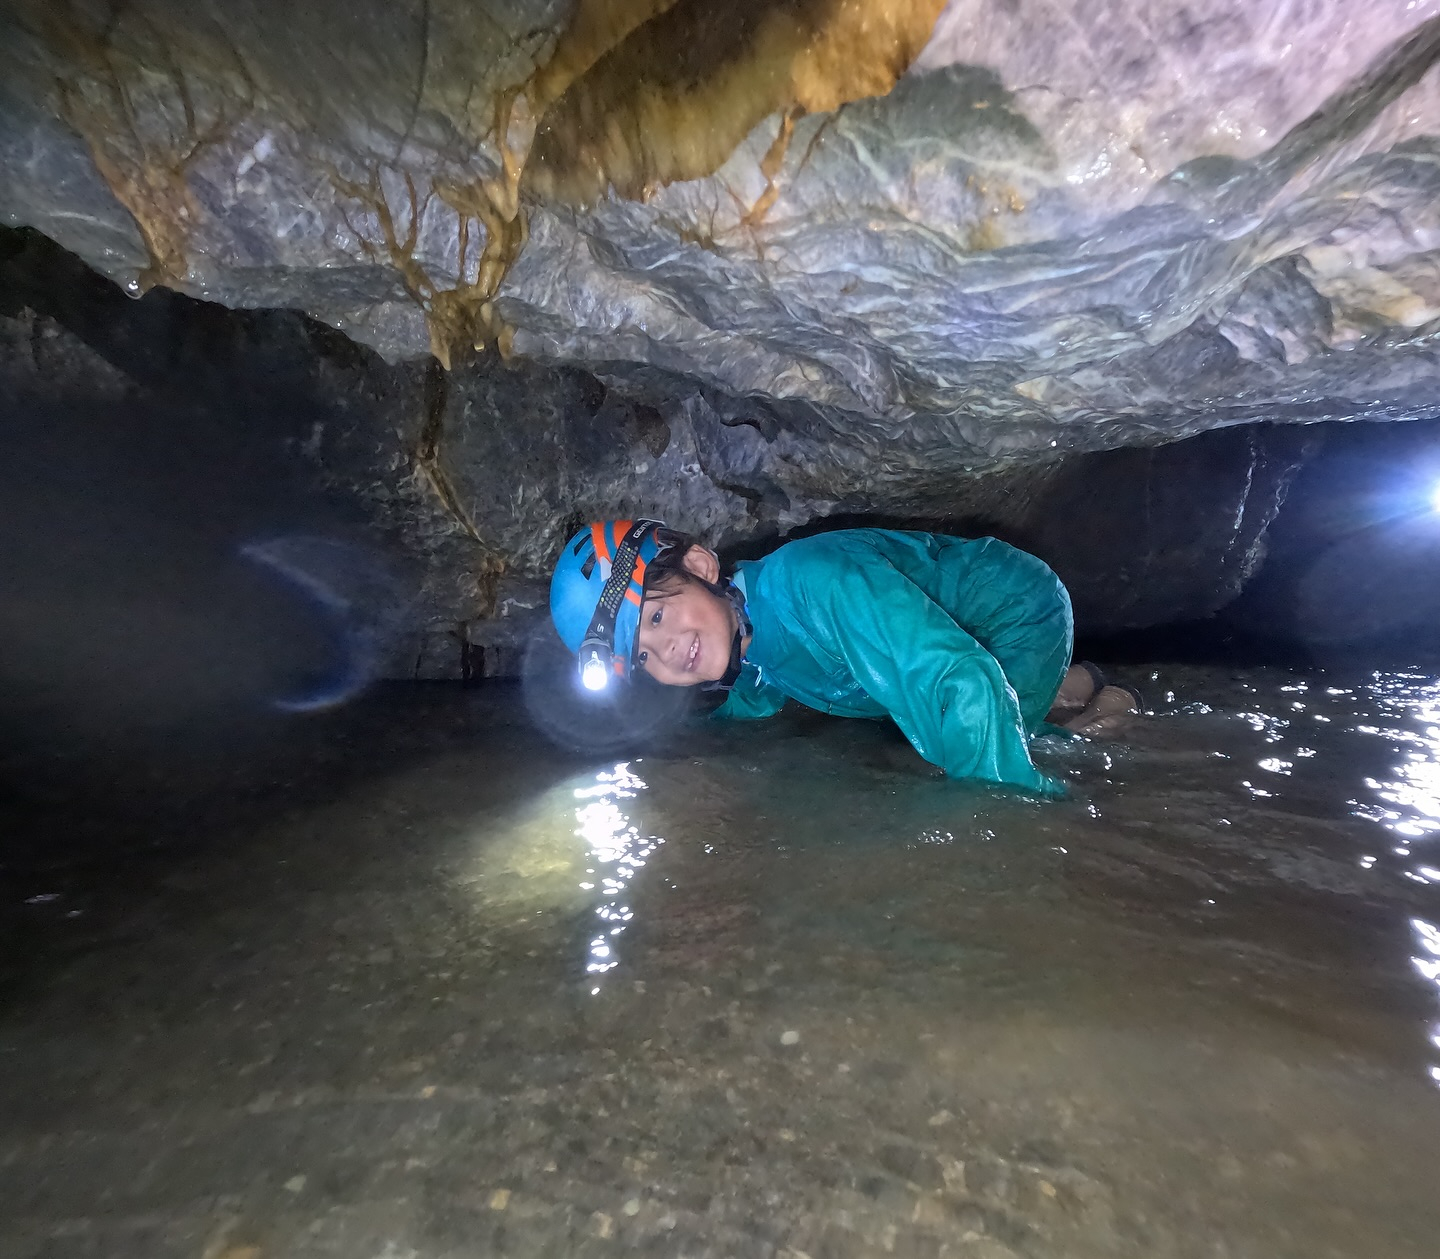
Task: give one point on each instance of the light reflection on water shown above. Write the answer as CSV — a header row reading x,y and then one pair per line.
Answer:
x,y
1163,1017
1407,802
1427,962
1217,812
617,852
1376,740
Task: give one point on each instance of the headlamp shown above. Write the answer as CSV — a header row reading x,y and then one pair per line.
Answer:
x,y
594,666
597,649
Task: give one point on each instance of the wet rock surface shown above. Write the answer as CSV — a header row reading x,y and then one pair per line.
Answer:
x,y
462,485
776,992
1348,567
1063,229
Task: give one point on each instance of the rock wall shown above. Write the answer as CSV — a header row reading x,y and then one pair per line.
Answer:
x,y
465,483
1352,563
1065,228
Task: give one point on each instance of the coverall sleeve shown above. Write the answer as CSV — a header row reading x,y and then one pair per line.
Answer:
x,y
750,698
940,686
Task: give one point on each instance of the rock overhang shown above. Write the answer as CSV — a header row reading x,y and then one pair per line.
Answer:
x,y
721,274
1057,231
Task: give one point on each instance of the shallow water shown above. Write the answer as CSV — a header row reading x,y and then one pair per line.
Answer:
x,y
778,991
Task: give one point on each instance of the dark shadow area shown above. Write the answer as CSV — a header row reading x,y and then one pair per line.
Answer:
x,y
1141,536
186,655
159,642
1209,642
1351,572
177,345
132,614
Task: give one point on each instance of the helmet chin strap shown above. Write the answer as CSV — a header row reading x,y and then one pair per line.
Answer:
x,y
729,590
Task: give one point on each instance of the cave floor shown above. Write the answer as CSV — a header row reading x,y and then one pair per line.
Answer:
x,y
403,982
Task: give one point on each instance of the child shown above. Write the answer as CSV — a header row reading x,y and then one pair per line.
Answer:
x,y
965,644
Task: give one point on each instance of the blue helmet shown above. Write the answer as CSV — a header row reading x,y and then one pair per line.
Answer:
x,y
596,593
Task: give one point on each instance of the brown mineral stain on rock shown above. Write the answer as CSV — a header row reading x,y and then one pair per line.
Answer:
x,y
148,102
770,166
596,27
635,93
638,93
462,318
674,97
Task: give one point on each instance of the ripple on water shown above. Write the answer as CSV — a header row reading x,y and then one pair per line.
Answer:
x,y
783,989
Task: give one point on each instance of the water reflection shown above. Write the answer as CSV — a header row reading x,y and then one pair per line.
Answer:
x,y
1309,745
1410,799
1273,728
1406,802
1427,936
617,851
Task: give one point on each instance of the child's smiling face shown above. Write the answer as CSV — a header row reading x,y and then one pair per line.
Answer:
x,y
686,633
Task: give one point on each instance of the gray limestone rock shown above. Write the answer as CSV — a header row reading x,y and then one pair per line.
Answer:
x,y
1064,229
467,482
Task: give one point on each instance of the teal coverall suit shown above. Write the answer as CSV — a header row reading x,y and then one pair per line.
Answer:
x,y
963,643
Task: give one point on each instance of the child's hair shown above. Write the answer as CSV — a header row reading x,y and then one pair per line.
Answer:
x,y
667,572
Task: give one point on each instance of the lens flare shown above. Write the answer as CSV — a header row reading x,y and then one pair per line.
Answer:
x,y
599,721
356,593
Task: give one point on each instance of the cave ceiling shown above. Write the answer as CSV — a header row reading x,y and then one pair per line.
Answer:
x,y
973,233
